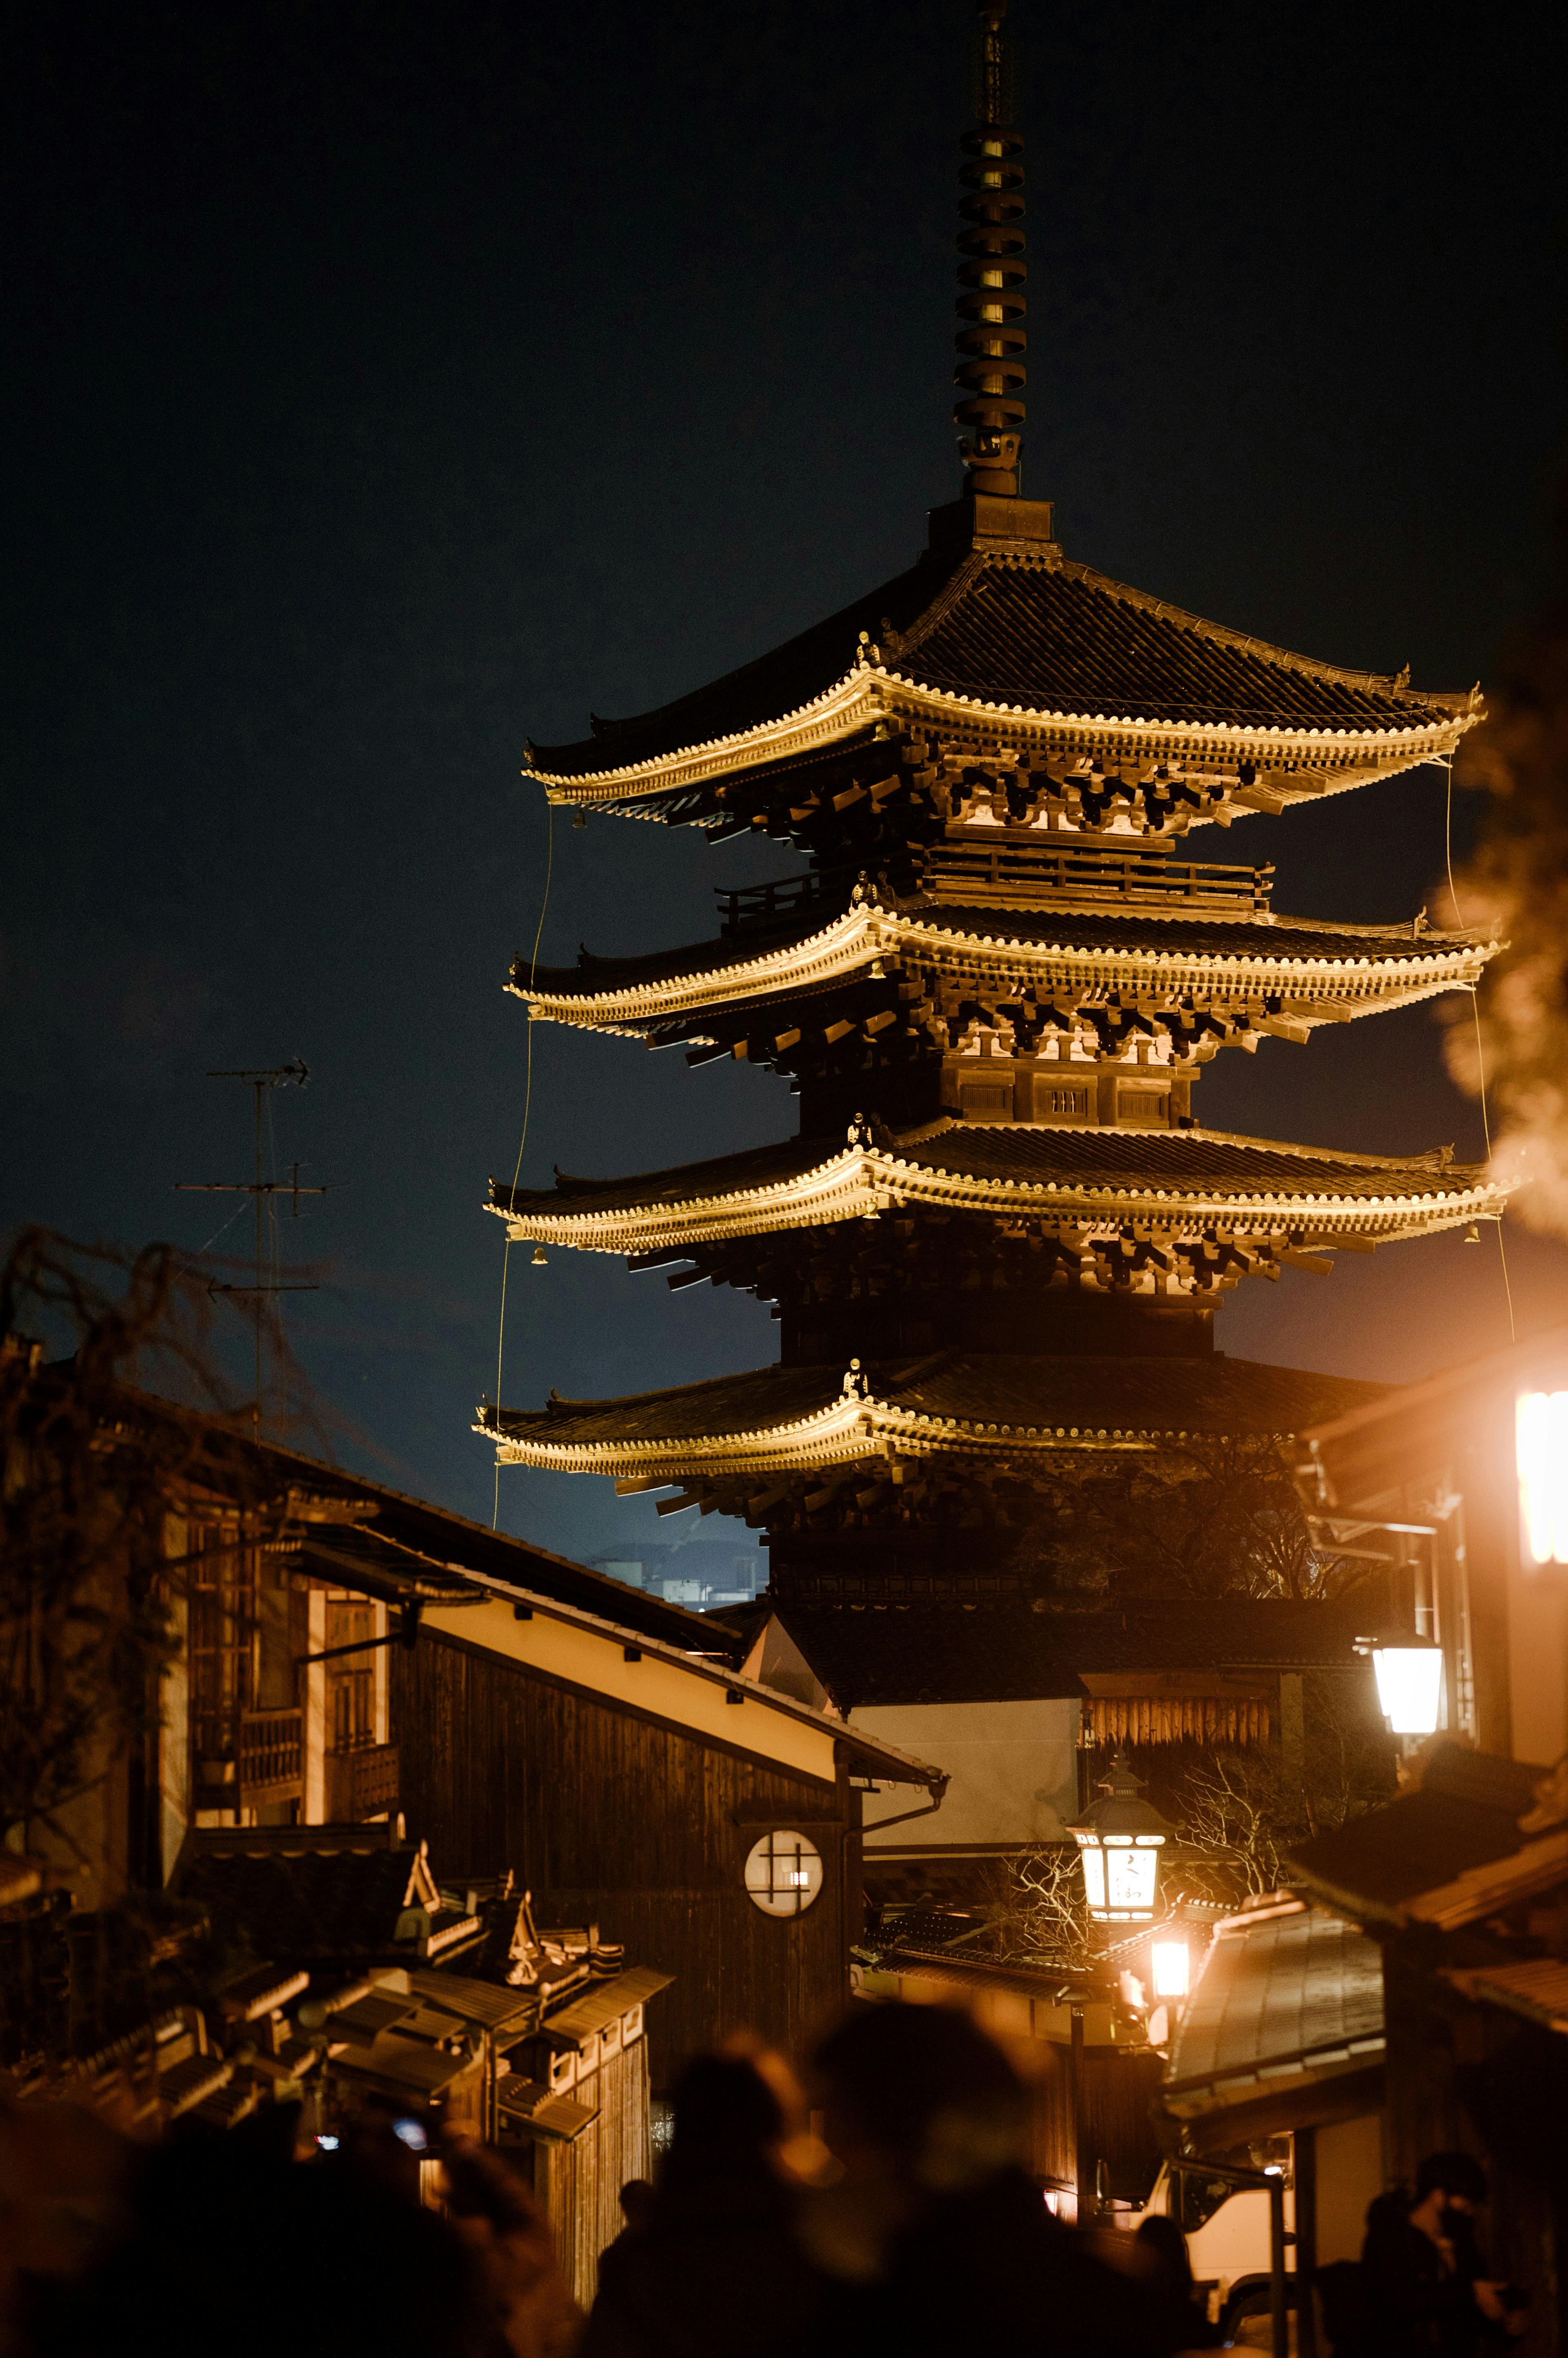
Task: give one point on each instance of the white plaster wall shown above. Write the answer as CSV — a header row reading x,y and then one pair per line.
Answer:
x,y
1012,1765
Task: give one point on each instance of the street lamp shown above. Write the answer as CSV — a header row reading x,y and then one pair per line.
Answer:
x,y
1120,1841
1170,1962
1410,1687
1541,1457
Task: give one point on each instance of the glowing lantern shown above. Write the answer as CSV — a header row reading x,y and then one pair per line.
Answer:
x,y
1120,1841
1410,1687
1170,1960
1541,1454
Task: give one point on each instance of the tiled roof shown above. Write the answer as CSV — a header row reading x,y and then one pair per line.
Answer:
x,y
1145,932
1536,1988
1050,637
1180,1159
1297,1990
878,1658
1067,1158
1062,638
1028,1398
1461,1823
409,1549
307,1903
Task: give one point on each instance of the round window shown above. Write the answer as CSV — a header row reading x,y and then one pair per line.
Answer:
x,y
784,1874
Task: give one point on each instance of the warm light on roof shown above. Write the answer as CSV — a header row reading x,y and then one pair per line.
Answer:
x,y
1540,1449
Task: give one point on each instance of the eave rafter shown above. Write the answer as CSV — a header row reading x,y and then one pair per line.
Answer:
x,y
1258,767
857,1435
864,1179
1310,989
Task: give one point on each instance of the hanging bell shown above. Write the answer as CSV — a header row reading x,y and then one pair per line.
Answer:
x,y
1473,1234
539,1257
580,816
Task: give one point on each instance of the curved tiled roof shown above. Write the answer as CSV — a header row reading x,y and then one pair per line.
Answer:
x,y
1143,934
990,1403
1019,630
1017,1165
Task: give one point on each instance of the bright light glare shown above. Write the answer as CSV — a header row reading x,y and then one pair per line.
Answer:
x,y
1170,1968
412,2134
328,2144
1540,1448
1410,1687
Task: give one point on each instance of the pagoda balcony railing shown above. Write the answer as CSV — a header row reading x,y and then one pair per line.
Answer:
x,y
246,1759
361,1783
1011,869
787,896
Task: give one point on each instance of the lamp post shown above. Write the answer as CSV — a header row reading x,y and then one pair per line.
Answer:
x,y
1120,1841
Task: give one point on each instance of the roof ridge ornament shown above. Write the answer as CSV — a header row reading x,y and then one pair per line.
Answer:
x,y
990,340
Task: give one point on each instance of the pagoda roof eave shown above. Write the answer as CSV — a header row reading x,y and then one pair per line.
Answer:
x,y
1013,1410
1332,759
1013,641
1183,1183
1357,970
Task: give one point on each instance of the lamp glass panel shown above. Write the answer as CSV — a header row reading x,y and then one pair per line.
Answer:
x,y
1541,1452
1410,1687
1129,1880
1094,1875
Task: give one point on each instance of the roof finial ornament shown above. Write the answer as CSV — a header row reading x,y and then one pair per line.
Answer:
x,y
991,272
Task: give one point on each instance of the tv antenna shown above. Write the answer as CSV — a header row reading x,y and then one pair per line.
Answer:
x,y
261,1079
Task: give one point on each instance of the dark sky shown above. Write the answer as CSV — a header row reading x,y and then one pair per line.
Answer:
x,y
391,382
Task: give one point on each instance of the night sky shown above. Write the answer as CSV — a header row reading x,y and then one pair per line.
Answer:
x,y
389,383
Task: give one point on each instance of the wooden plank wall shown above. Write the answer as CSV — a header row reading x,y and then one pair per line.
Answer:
x,y
615,1817
1121,2090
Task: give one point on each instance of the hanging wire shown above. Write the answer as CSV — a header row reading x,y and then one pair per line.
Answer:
x,y
517,1171
1480,1054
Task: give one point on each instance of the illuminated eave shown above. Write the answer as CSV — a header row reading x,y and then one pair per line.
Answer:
x,y
855,1427
1334,759
1346,988
862,1181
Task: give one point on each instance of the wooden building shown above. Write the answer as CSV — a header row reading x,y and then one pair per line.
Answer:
x,y
1463,1885
996,1247
1433,1480
1022,1709
348,1656
664,1794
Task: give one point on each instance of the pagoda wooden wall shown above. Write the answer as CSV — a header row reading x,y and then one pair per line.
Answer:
x,y
614,1817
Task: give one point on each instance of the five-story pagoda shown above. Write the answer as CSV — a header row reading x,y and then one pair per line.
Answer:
x,y
996,1245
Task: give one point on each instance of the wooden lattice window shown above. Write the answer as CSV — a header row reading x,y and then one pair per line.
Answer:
x,y
350,1678
224,1639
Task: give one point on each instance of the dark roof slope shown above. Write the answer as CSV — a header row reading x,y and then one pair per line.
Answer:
x,y
991,1393
407,1549
1062,638
1026,1154
1147,930
871,1657
326,1899
1051,637
1464,1814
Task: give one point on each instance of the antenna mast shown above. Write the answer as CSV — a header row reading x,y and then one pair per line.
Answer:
x,y
271,1077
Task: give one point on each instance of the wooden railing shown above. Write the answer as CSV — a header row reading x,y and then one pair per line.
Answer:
x,y
361,1783
1014,869
788,896
271,1757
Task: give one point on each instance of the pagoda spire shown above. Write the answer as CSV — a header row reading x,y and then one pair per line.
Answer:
x,y
990,340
